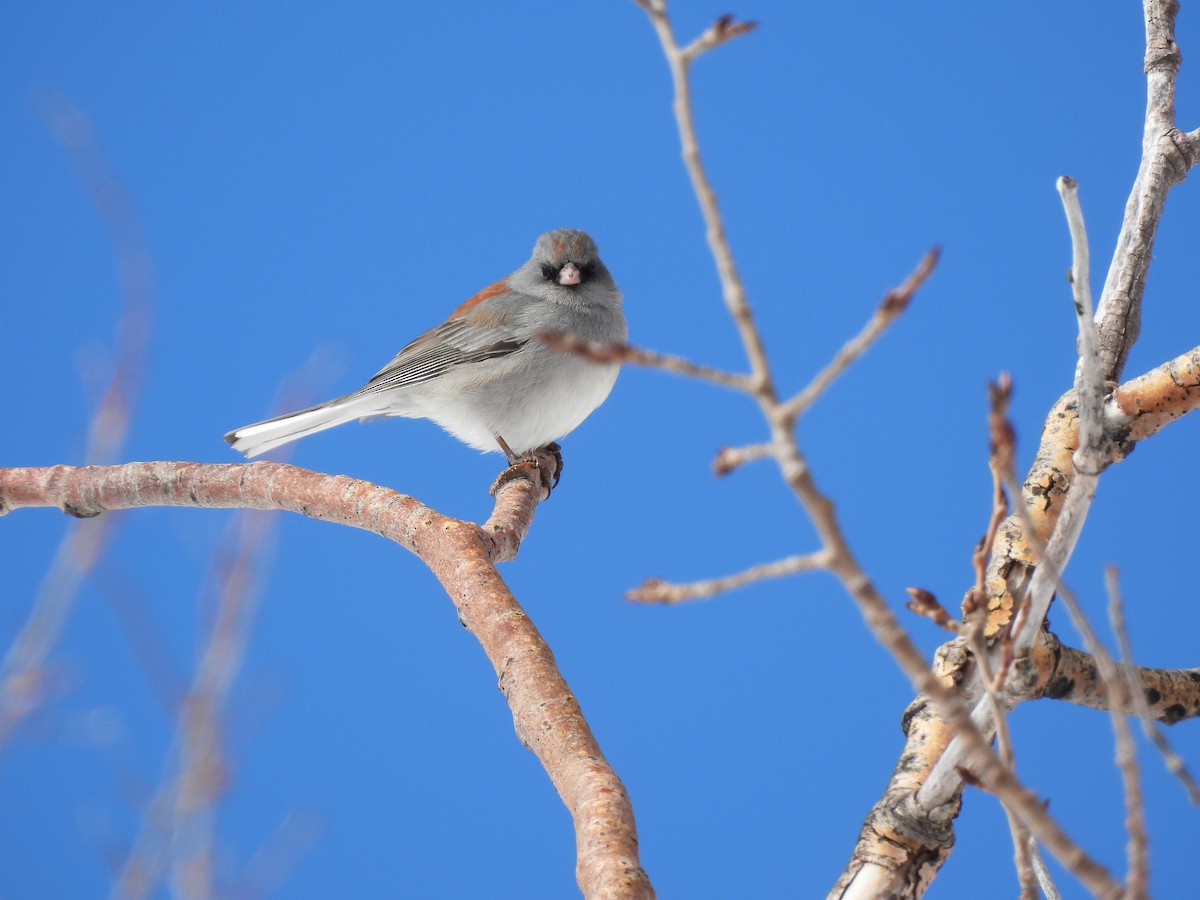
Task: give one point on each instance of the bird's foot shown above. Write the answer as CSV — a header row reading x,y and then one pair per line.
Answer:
x,y
546,462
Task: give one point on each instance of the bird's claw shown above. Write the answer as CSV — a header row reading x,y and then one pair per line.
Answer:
x,y
547,462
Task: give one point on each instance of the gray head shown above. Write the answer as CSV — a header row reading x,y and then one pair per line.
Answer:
x,y
564,262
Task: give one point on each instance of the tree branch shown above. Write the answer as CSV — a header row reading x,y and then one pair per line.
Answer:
x,y
1167,155
1172,695
22,683
732,288
890,308
654,590
623,353
462,556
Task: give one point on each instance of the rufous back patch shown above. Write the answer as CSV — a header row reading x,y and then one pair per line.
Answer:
x,y
492,290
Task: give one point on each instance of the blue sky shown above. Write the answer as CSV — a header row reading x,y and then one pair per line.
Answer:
x,y
336,181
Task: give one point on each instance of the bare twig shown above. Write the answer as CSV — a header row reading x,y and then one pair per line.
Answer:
x,y
924,603
1167,155
1045,881
894,303
655,591
1114,687
1021,837
623,353
734,291
730,458
1002,442
1138,409
720,31
178,836
1090,456
23,675
1138,691
975,617
840,559
1089,379
1138,877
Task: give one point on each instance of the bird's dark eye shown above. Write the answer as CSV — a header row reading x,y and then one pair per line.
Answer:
x,y
586,271
550,273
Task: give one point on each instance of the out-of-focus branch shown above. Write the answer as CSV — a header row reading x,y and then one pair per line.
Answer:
x,y
178,837
463,557
1045,882
655,591
893,304
1002,442
730,458
679,60
623,353
901,847
1140,698
835,550
178,831
1135,807
178,825
839,557
23,675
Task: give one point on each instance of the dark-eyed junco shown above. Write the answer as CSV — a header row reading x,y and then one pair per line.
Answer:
x,y
482,374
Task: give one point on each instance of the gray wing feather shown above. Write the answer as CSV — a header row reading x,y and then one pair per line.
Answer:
x,y
432,354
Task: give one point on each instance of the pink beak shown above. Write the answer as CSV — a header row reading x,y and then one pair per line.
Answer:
x,y
568,274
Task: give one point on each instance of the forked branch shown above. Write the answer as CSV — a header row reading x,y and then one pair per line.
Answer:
x,y
462,556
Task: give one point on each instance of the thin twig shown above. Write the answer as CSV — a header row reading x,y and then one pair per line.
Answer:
x,y
894,303
1137,855
1004,748
23,675
924,603
1002,442
1114,685
975,618
732,288
1137,695
623,353
720,31
1165,162
1090,457
654,590
1045,880
730,458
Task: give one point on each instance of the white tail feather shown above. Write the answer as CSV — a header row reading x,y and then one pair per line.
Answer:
x,y
260,437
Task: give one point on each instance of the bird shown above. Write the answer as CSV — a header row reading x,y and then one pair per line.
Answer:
x,y
483,374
